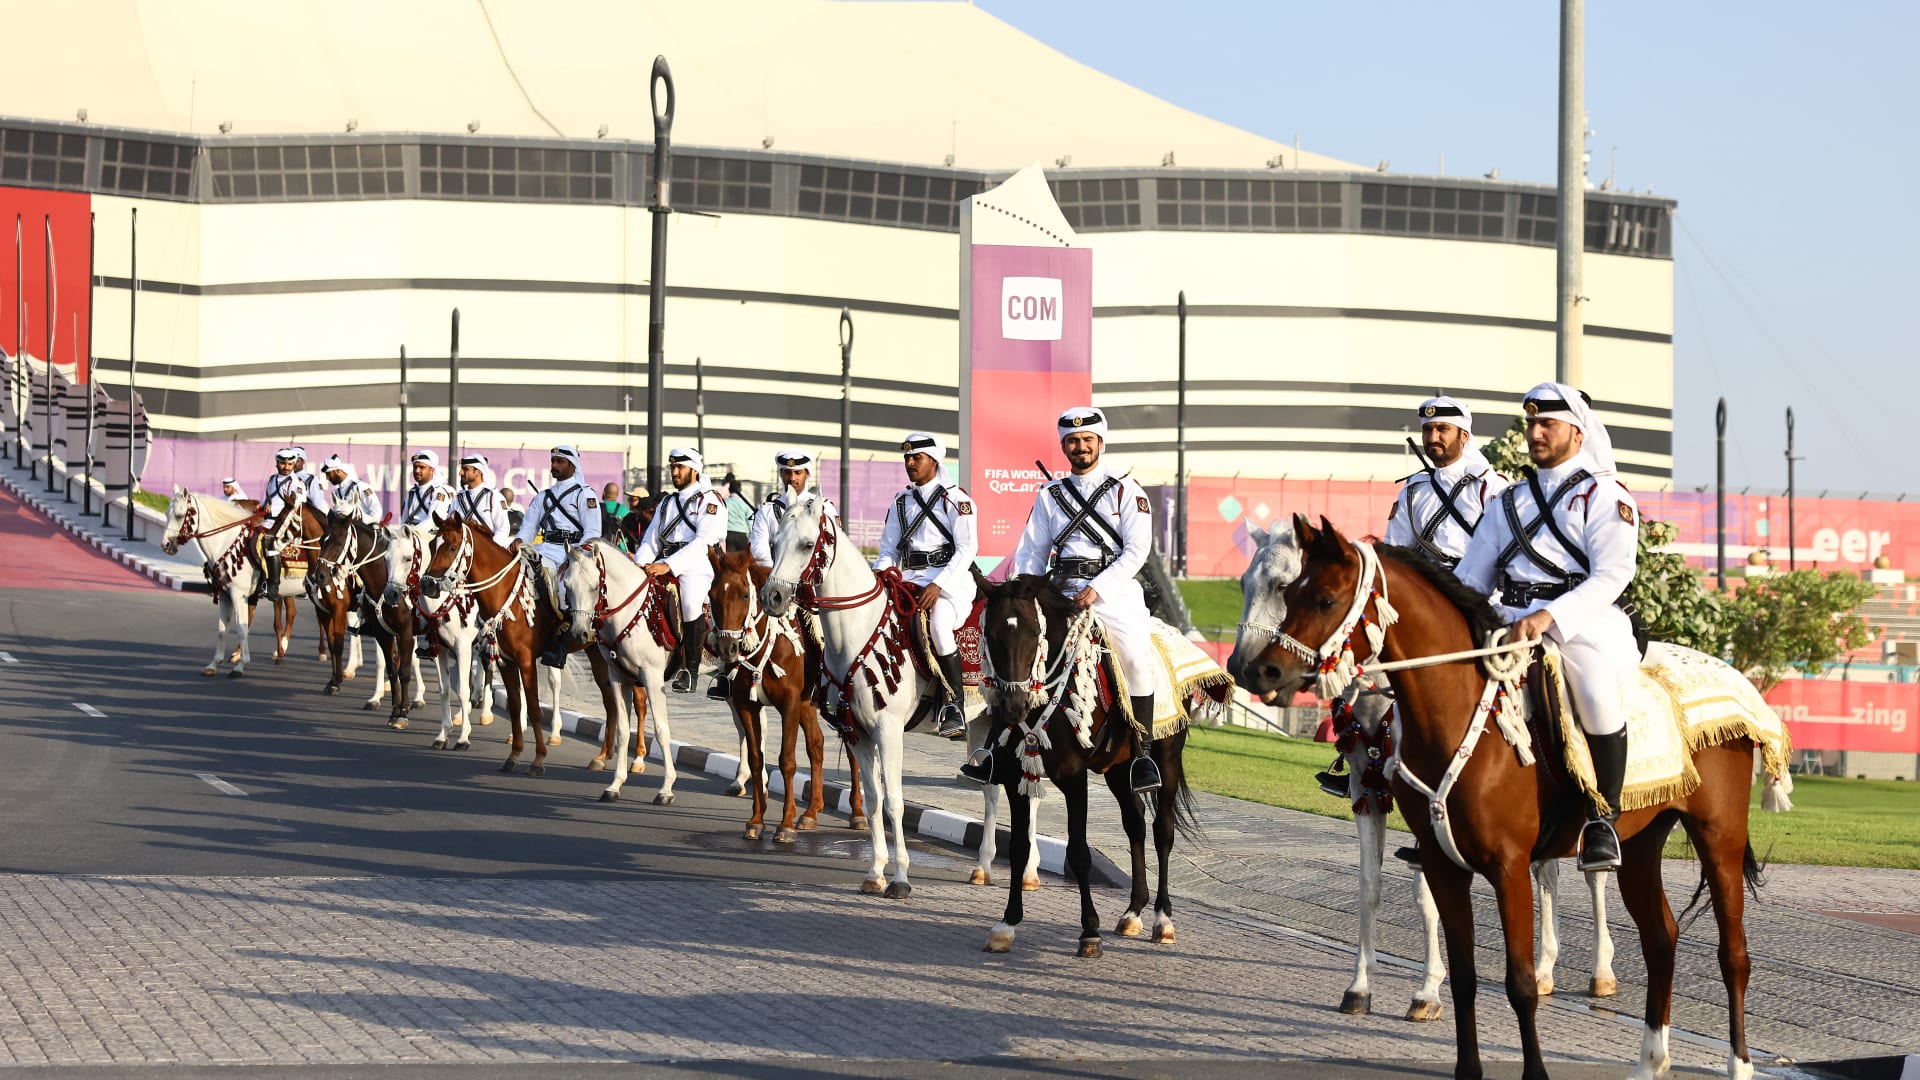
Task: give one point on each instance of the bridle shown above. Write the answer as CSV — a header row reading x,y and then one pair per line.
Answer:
x,y
1334,662
806,588
190,517
224,567
1069,687
601,612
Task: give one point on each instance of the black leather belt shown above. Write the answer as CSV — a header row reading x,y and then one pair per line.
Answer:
x,y
566,537
668,548
1520,594
920,560
1079,569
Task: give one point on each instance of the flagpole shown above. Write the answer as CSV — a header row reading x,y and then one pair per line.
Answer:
x,y
47,437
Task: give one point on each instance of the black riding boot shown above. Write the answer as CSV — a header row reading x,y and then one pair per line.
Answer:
x,y
269,583
953,718
1599,844
555,654
1144,775
693,647
979,766
1333,779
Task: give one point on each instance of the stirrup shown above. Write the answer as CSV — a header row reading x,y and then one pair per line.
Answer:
x,y
718,690
953,722
1599,847
1333,784
555,654
682,681
1144,775
979,767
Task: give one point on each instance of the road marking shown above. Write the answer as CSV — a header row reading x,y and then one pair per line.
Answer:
x,y
7,658
89,710
219,785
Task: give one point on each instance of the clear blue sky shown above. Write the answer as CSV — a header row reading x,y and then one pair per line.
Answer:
x,y
1786,132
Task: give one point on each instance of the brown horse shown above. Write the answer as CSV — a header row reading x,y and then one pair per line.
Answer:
x,y
1034,641
466,558
352,551
1502,815
767,664
294,531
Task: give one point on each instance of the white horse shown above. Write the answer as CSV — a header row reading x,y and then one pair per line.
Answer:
x,y
222,530
457,662
1276,563
613,603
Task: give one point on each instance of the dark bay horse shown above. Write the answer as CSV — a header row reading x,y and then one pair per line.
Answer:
x,y
1502,815
766,663
354,552
1034,638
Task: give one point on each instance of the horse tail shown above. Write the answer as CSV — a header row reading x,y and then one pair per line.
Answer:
x,y
1181,807
1752,871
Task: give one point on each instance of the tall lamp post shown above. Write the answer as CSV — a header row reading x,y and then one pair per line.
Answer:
x,y
846,407
1180,453
133,382
657,274
453,397
86,450
1792,563
1720,489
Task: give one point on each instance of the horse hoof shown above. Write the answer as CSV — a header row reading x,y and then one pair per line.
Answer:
x,y
873,886
786,836
210,670
485,720
1603,987
808,823
332,689
1089,948
1423,1012
282,659
439,744
235,673
1163,933
1543,985
1130,926
898,890
665,798
752,833
609,796
367,706
398,723
350,676
736,789
553,740
1001,939
1354,1004
463,745
979,877
1029,884
596,764
508,767
859,823
536,769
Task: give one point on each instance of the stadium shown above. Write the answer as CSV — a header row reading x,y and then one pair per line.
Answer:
x,y
318,185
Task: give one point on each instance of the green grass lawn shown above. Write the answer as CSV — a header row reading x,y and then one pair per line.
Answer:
x,y
1214,605
151,501
1834,822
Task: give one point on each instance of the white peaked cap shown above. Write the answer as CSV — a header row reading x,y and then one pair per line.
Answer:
x,y
1083,418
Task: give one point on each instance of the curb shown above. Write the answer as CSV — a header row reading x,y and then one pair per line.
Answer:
x,y
1897,1067
152,569
926,822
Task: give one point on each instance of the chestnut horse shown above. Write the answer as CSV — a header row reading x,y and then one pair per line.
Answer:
x,y
1502,814
298,528
351,550
1042,686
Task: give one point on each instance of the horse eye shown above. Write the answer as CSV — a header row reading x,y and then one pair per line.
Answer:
x,y
1326,603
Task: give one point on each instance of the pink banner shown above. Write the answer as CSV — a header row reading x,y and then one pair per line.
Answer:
x,y
1031,356
1823,715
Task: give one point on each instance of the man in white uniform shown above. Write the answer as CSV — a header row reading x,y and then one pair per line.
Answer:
x,y
931,535
689,521
287,485
1555,552
1091,531
428,498
344,493
476,500
796,473
563,515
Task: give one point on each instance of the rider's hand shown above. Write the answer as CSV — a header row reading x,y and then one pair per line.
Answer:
x,y
515,546
1531,628
928,597
655,569
1086,599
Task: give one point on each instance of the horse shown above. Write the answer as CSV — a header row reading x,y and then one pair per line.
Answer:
x,y
1492,812
277,537
454,621
631,646
352,549
223,530
465,560
1044,688
1275,566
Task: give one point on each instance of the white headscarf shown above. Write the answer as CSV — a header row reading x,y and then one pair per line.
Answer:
x,y
688,456
1559,401
926,442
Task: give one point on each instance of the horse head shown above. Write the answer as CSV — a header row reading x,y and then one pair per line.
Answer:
x,y
1023,628
179,508
403,543
797,555
1269,659
588,577
337,542
734,601
452,557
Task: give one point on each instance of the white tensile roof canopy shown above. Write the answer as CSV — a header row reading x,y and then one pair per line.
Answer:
x,y
892,81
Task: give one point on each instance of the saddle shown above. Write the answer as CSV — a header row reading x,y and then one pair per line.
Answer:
x,y
293,558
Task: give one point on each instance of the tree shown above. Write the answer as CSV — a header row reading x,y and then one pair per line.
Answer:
x,y
1803,620
1507,452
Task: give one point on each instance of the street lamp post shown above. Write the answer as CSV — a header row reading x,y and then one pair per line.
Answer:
x,y
657,274
1720,489
1180,453
846,407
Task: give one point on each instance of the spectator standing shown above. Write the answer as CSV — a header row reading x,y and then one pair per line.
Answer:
x,y
739,515
612,513
514,514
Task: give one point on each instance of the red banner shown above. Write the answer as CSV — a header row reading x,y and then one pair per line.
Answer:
x,y
1824,715
72,297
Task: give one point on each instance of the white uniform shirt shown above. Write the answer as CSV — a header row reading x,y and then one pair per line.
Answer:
x,y
767,521
689,521
952,515
1472,484
293,487
1124,507
423,502
482,504
566,506
1596,515
349,496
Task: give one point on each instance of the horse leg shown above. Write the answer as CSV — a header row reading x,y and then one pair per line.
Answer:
x,y
789,766
418,696
609,696
1646,900
639,745
1452,895
989,810
1134,820
399,660
526,710
1513,890
662,730
869,773
1073,788
333,634
463,683
892,752
223,613
799,723
1603,985
1546,879
1000,938
447,692
1371,828
619,732
1723,853
857,792
1426,1000
236,600
1172,770
753,760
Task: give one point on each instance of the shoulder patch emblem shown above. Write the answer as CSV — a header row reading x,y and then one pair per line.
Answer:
x,y
1142,503
713,508
966,508
1626,513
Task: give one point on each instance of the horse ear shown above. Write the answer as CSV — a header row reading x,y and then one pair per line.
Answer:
x,y
713,557
179,490
1304,533
1259,537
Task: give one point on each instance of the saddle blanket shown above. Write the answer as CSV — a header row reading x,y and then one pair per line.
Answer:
x,y
1187,684
1679,702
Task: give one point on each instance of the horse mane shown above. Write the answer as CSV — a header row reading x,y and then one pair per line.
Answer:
x,y
1040,589
737,562
1481,618
223,511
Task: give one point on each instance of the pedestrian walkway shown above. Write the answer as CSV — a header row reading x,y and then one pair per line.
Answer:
x,y
180,571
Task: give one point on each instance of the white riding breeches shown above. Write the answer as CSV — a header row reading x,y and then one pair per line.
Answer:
x,y
1130,633
693,594
944,618
557,563
1593,678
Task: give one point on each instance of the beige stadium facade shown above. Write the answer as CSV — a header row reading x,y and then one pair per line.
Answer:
x,y
281,272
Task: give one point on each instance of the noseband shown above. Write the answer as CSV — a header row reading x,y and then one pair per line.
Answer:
x,y
1334,662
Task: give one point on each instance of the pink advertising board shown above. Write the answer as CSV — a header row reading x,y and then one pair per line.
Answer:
x,y
1029,356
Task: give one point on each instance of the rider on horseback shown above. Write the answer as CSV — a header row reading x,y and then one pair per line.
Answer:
x,y
1437,510
476,500
930,534
1556,555
426,501
343,493
796,473
562,516
1091,532
686,524
288,484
